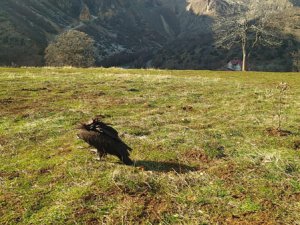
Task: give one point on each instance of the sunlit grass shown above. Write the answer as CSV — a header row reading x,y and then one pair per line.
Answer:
x,y
201,147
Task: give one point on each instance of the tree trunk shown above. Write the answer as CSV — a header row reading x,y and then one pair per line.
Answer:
x,y
244,67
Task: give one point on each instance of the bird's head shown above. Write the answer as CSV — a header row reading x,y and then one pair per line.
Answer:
x,y
98,118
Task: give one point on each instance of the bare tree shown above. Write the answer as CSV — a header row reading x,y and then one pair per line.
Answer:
x,y
248,26
72,48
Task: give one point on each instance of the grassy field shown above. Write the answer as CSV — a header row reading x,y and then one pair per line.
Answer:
x,y
202,151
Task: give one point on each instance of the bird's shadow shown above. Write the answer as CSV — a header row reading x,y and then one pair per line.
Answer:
x,y
159,166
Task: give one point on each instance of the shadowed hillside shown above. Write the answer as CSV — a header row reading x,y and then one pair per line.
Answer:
x,y
130,33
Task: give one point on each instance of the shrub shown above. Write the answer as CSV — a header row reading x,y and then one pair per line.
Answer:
x,y
72,48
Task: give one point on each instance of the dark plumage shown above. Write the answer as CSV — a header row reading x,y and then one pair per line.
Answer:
x,y
105,139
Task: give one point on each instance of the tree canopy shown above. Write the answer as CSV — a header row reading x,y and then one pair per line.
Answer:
x,y
72,48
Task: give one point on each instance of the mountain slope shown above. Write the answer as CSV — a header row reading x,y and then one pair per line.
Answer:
x,y
127,32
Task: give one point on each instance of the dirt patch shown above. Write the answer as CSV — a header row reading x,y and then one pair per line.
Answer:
x,y
65,150
101,93
153,208
268,204
226,172
262,218
278,132
6,101
187,108
21,109
89,197
196,155
133,90
87,95
9,175
3,141
294,197
82,212
45,170
57,179
297,145
93,221
35,89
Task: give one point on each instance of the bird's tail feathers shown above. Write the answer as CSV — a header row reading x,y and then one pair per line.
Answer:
x,y
127,160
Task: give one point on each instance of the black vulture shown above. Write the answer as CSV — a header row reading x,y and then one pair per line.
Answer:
x,y
105,139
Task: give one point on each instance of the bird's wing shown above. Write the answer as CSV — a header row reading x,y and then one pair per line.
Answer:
x,y
112,133
102,128
108,130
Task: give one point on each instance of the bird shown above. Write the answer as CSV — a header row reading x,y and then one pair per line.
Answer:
x,y
105,139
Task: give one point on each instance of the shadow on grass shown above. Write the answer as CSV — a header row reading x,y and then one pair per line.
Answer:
x,y
164,166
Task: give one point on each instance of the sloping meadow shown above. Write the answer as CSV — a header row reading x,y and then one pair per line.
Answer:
x,y
209,147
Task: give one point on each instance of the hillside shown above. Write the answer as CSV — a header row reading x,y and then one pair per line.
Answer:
x,y
202,148
118,26
133,33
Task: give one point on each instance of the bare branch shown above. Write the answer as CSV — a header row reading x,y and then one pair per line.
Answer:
x,y
249,26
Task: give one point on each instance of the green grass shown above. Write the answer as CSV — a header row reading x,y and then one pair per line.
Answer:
x,y
202,152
